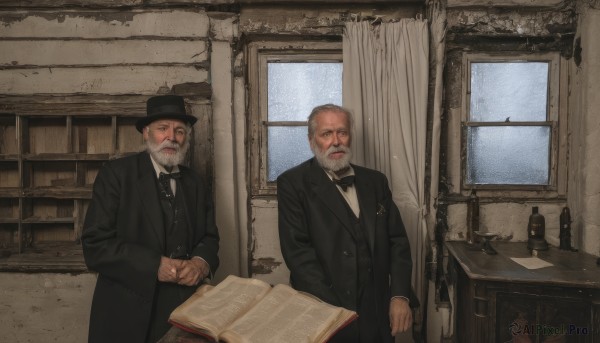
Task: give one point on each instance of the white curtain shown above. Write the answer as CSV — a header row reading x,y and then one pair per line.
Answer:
x,y
385,83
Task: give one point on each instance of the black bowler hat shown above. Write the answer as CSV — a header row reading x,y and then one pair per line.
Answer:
x,y
164,107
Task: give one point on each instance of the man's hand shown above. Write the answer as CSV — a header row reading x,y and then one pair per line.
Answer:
x,y
168,271
193,271
400,315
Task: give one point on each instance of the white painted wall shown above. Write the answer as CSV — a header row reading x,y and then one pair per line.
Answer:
x,y
587,137
45,307
105,52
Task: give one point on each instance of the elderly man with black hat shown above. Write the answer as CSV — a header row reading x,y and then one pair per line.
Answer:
x,y
149,231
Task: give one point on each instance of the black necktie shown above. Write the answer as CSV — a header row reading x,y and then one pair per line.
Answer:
x,y
345,182
165,182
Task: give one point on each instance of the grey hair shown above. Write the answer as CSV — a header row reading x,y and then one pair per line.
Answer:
x,y
312,124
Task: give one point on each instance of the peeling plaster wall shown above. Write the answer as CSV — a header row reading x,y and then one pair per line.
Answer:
x,y
586,137
476,26
103,53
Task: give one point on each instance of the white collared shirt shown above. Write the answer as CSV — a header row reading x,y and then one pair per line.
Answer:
x,y
160,169
350,194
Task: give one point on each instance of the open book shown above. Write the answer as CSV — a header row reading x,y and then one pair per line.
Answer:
x,y
240,310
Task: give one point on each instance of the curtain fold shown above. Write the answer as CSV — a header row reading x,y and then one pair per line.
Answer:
x,y
385,85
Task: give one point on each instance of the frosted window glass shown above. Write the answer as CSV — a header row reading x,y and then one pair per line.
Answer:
x,y
515,155
288,147
296,88
518,90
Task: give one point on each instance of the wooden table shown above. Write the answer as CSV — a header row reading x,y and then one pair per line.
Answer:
x,y
499,300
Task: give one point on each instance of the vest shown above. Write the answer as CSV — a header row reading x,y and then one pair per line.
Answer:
x,y
167,296
364,263
175,225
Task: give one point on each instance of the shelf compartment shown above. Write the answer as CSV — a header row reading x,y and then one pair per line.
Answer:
x,y
86,173
9,238
9,210
49,174
49,232
45,135
92,135
8,135
9,177
47,220
128,139
48,210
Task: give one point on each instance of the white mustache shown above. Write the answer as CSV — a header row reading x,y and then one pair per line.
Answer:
x,y
169,144
334,149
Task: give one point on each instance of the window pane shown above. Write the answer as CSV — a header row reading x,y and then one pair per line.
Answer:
x,y
288,147
517,90
296,88
515,155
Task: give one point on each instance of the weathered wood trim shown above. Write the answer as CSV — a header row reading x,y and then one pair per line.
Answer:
x,y
177,23
68,3
505,3
131,3
101,80
31,53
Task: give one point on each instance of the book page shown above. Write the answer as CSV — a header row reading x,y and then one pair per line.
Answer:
x,y
220,305
286,316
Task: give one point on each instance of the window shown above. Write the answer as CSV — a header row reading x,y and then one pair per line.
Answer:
x,y
511,123
286,82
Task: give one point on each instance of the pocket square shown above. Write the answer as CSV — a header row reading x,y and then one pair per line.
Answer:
x,y
380,210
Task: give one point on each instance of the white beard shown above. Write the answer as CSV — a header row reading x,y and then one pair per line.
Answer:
x,y
331,164
164,159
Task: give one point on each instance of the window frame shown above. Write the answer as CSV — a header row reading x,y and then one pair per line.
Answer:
x,y
556,119
260,53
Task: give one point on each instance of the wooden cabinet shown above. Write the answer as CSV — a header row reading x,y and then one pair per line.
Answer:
x,y
499,300
50,155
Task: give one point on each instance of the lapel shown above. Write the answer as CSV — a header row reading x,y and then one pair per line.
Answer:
x,y
187,186
365,191
327,192
146,186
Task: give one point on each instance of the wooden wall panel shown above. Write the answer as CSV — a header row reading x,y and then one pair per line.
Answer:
x,y
105,80
104,24
100,52
61,3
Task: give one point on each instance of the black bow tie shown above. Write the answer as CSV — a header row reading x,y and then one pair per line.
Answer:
x,y
165,181
345,182
166,176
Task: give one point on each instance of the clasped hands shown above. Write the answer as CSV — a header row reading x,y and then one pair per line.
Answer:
x,y
184,272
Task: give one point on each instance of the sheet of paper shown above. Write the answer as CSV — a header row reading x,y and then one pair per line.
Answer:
x,y
531,262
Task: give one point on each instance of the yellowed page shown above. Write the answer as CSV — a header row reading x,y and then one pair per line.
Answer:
x,y
285,316
218,307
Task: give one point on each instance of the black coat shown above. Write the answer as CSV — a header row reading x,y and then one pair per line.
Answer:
x,y
123,240
320,249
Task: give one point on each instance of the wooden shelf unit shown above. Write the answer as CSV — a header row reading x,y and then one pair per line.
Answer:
x,y
49,160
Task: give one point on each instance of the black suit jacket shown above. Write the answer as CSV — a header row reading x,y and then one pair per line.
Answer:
x,y
123,240
317,241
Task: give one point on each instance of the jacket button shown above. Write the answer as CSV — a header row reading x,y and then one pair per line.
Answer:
x,y
347,253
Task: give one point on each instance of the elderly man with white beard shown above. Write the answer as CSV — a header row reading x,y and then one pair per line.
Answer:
x,y
149,231
341,234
